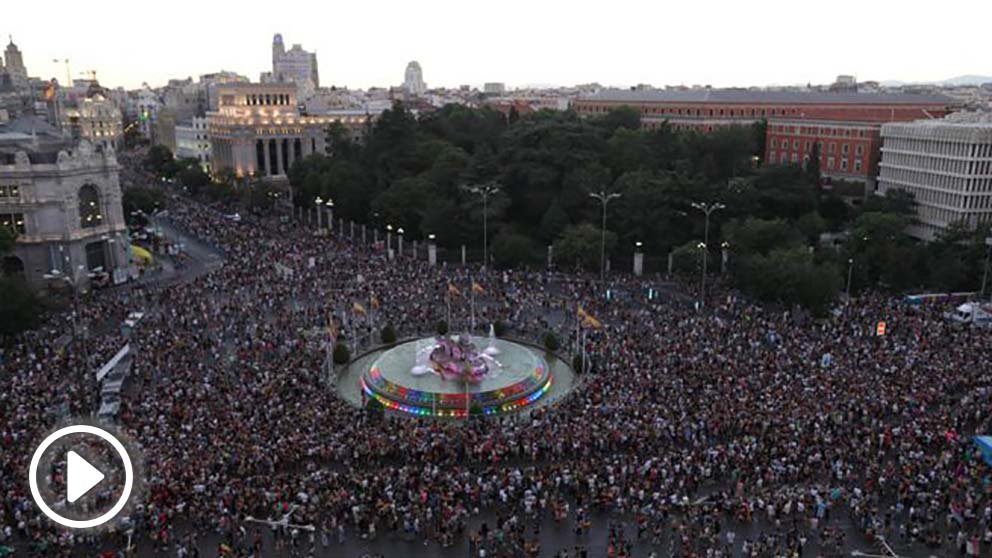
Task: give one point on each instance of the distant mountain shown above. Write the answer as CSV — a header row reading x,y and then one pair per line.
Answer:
x,y
952,82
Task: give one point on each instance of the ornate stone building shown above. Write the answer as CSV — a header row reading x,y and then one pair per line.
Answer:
x,y
258,130
64,203
97,119
946,164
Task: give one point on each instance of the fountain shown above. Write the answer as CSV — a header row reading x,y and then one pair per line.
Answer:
x,y
492,350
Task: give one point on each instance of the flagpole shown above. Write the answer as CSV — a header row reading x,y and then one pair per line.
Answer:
x,y
447,300
583,353
472,304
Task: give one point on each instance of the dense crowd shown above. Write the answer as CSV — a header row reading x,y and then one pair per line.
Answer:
x,y
733,431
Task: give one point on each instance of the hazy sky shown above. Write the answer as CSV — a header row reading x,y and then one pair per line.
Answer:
x,y
360,43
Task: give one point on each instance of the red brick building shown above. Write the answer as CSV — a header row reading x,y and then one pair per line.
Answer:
x,y
847,125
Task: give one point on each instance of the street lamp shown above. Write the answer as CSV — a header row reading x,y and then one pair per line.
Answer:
x,y
985,272
317,203
389,238
707,209
724,247
399,240
484,190
605,199
330,214
850,271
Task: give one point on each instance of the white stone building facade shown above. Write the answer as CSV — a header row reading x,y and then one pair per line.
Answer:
x,y
946,164
413,80
65,208
193,141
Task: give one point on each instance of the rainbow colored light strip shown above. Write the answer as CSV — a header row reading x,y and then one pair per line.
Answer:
x,y
454,400
459,413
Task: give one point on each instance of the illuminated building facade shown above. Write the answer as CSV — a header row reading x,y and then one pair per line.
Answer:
x,y
258,130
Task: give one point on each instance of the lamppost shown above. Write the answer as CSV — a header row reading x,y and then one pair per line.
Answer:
x,y
317,205
638,258
985,272
399,241
431,250
330,214
604,198
389,239
850,272
70,279
707,209
724,250
484,190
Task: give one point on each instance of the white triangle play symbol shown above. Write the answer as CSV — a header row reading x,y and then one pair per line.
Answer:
x,y
80,477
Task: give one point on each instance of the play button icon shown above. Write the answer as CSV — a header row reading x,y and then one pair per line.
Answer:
x,y
84,472
80,477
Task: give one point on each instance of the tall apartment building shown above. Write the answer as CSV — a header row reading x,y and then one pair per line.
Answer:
x,y
294,66
946,164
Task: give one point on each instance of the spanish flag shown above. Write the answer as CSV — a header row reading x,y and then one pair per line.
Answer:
x,y
588,319
453,290
477,288
358,309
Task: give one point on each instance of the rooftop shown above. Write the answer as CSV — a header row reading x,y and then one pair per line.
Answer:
x,y
762,97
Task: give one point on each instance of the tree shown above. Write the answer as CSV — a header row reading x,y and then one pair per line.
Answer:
x,y
812,226
341,354
789,276
19,305
580,245
551,342
760,236
687,259
512,249
161,162
388,334
194,178
621,117
813,165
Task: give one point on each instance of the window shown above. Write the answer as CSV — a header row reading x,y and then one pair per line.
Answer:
x,y
830,162
10,191
13,222
844,148
774,143
859,150
89,207
832,148
795,144
857,165
843,164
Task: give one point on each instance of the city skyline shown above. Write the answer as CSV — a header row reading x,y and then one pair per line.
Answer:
x,y
627,45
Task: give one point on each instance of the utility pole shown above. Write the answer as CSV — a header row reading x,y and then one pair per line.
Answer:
x,y
707,209
604,198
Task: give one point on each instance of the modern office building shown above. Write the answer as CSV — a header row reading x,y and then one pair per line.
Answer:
x,y
946,164
258,129
63,201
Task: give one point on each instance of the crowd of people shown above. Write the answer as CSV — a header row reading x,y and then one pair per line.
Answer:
x,y
732,431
